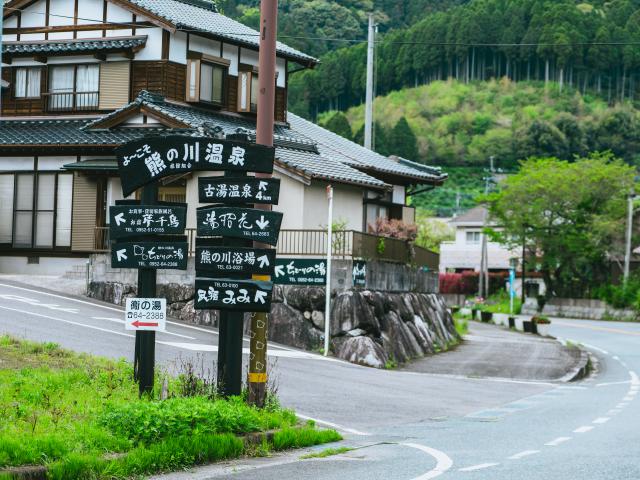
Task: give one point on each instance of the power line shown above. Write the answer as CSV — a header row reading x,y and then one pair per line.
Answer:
x,y
356,40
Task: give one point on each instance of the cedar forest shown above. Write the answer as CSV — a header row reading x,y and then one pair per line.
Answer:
x,y
460,81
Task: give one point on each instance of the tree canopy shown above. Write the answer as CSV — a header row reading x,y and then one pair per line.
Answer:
x,y
570,215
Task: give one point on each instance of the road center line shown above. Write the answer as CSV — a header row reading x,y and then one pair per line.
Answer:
x,y
526,453
585,429
443,462
601,420
68,321
333,425
557,441
600,329
482,466
624,382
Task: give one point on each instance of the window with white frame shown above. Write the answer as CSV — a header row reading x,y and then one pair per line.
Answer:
x,y
27,82
473,237
74,87
35,209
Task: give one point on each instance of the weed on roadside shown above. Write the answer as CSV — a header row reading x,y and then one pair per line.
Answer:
x,y
328,452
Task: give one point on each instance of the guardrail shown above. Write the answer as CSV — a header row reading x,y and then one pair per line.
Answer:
x,y
346,244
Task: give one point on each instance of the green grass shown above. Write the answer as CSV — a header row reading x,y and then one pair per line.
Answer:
x,y
328,452
81,416
500,303
462,326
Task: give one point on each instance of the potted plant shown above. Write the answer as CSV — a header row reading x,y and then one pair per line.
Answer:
x,y
541,323
512,322
455,309
486,316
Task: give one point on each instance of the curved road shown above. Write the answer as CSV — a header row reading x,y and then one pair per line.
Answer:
x,y
403,425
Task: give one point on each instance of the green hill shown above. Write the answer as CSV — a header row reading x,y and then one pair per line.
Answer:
x,y
460,126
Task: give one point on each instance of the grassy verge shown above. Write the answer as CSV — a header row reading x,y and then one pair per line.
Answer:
x,y
81,417
462,325
328,452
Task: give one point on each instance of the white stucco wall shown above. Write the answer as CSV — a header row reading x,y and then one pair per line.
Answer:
x,y
291,202
347,206
459,254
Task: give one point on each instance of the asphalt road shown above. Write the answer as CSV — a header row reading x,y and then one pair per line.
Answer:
x,y
403,424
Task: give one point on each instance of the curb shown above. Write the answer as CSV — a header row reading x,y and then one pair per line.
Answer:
x,y
39,472
581,370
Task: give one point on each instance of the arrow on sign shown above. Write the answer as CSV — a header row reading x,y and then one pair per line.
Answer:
x,y
262,223
138,324
279,271
120,219
260,296
264,261
263,185
122,254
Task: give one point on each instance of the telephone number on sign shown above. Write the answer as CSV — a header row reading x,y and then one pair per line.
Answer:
x,y
146,315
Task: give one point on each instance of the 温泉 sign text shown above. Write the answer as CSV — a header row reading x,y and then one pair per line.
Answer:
x,y
150,159
146,314
239,295
133,220
359,274
295,271
219,261
231,191
150,255
248,223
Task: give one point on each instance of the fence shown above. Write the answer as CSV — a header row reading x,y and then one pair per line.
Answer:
x,y
345,244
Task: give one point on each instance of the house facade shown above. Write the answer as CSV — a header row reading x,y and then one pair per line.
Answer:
x,y
465,252
81,77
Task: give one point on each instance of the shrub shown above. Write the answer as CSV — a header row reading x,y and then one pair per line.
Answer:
x,y
467,283
394,229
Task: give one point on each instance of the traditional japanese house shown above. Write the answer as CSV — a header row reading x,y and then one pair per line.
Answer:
x,y
81,77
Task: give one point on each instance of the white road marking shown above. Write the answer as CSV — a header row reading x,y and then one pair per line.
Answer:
x,y
443,462
333,425
593,347
601,420
634,378
557,441
482,466
613,383
585,429
621,405
36,303
614,411
526,453
627,399
616,358
68,321
117,320
273,352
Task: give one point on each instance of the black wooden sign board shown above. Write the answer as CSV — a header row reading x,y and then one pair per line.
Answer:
x,y
230,190
150,254
237,295
247,223
296,271
149,159
359,273
235,260
135,220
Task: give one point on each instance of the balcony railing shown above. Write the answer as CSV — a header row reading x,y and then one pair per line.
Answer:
x,y
346,244
72,101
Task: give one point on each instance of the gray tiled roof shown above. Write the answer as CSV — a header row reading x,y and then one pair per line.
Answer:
x,y
73,46
189,16
62,132
357,156
319,166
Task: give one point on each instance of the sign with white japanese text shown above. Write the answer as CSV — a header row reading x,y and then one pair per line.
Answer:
x,y
236,260
146,314
229,191
152,158
160,254
239,295
247,223
133,220
297,271
359,273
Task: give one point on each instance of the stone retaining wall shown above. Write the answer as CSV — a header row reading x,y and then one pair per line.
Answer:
x,y
580,308
368,327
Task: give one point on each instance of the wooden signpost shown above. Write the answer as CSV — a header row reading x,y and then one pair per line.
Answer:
x,y
145,234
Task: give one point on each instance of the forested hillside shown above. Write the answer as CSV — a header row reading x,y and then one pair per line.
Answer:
x,y
320,26
591,46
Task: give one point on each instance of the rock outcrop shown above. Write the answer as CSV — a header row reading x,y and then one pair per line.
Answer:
x,y
368,327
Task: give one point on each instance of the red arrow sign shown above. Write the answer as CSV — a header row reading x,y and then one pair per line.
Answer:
x,y
143,324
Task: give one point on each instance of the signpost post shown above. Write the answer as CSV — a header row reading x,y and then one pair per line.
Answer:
x,y
327,293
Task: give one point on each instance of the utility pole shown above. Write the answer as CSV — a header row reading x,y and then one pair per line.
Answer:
x,y
257,377
627,252
484,253
327,296
368,113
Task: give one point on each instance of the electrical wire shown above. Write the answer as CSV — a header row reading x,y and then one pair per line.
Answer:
x,y
355,40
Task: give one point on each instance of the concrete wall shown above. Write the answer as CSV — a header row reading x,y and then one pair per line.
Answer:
x,y
583,308
46,265
462,255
